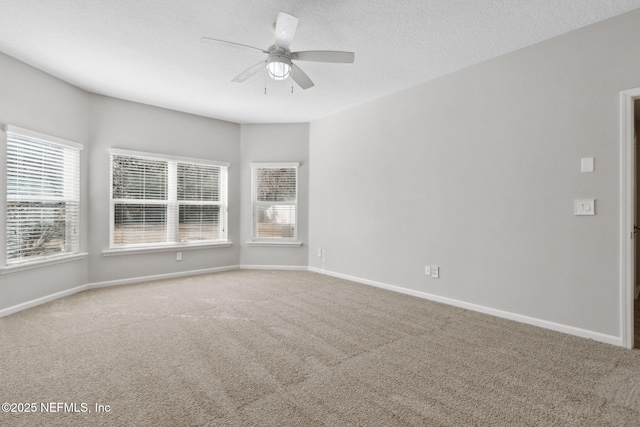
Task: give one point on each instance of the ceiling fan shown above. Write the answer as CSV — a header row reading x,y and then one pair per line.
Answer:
x,y
279,63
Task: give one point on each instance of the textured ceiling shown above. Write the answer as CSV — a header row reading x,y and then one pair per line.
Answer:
x,y
149,51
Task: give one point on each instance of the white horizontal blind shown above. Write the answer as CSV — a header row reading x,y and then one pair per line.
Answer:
x,y
43,180
275,200
156,201
202,201
139,200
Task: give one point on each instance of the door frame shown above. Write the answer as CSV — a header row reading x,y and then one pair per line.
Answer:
x,y
627,204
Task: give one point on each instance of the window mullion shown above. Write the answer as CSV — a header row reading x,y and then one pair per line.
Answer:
x,y
172,205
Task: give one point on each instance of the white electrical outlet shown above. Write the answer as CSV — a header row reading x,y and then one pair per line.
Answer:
x,y
319,252
427,270
178,256
435,271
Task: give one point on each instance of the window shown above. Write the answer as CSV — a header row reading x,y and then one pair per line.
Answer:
x,y
274,201
160,200
43,197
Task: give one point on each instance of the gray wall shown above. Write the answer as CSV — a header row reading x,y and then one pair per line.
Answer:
x,y
34,100
275,143
121,124
476,172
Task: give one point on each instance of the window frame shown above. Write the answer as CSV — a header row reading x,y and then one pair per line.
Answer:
x,y
72,193
274,241
172,205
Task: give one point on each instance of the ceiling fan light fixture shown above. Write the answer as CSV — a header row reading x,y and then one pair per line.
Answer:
x,y
278,67
278,63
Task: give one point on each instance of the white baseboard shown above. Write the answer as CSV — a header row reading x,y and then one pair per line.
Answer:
x,y
160,277
48,298
571,330
275,267
42,300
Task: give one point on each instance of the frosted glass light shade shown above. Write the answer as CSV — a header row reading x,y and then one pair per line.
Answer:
x,y
278,67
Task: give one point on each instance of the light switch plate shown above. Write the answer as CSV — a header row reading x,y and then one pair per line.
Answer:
x,y
427,270
586,164
584,207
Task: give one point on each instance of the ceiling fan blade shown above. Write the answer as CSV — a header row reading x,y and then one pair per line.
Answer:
x,y
248,73
324,56
300,77
210,40
285,29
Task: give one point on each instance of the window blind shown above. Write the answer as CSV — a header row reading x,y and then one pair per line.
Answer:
x,y
159,201
43,180
275,200
202,201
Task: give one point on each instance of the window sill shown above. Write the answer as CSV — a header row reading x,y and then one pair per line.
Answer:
x,y
274,243
42,263
164,248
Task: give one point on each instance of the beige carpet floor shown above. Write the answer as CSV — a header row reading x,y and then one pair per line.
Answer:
x,y
266,348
